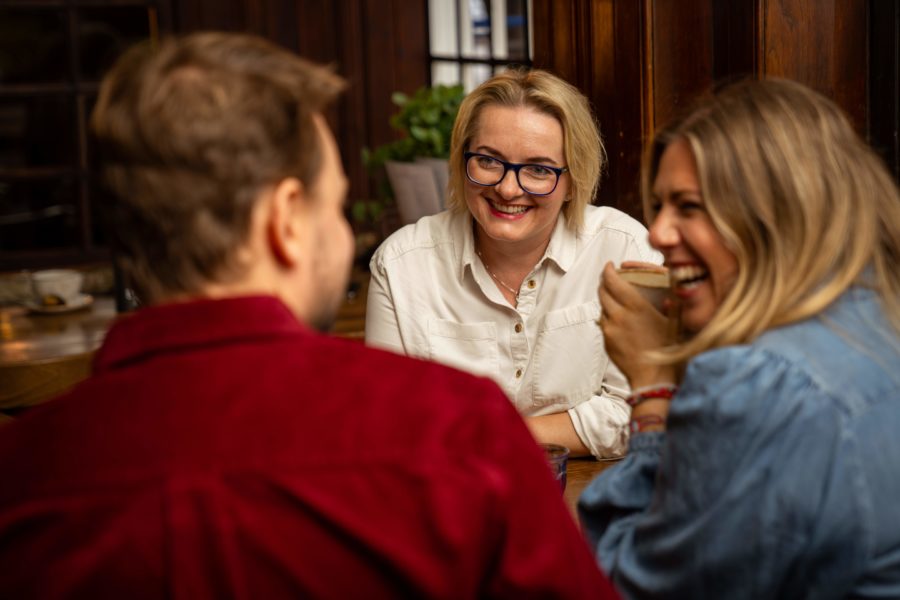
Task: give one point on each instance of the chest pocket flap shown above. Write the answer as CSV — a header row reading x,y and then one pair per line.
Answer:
x,y
469,347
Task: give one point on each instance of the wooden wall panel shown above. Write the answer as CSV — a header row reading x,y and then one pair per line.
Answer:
x,y
597,45
821,43
682,63
380,46
884,86
649,59
735,28
616,90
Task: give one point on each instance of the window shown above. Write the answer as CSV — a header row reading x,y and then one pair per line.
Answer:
x,y
470,40
52,57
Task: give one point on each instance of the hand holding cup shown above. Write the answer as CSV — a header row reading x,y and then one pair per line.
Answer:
x,y
633,325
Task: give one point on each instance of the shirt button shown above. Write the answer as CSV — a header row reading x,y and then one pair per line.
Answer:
x,y
518,328
531,284
518,373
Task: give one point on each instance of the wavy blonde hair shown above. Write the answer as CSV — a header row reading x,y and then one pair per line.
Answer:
x,y
804,204
542,91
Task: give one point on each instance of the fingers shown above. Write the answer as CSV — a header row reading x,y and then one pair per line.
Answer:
x,y
618,289
636,264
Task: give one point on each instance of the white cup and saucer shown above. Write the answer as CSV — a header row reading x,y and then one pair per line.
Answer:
x,y
57,291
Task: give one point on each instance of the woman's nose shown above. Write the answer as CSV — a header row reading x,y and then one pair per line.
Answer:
x,y
663,231
508,187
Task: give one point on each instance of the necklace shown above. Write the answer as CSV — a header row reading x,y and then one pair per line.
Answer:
x,y
497,279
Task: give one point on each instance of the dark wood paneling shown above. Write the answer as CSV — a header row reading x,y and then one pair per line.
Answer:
x,y
821,43
734,30
682,55
884,81
597,45
380,46
649,59
617,90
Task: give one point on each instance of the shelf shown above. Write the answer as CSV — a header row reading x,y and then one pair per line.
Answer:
x,y
27,90
38,173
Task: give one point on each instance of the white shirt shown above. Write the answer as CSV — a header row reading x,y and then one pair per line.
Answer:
x,y
431,297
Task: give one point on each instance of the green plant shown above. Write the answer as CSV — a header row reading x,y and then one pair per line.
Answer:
x,y
426,118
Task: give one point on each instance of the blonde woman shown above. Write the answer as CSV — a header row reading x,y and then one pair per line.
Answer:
x,y
771,472
503,284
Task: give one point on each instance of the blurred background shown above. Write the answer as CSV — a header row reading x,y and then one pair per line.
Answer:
x,y
639,61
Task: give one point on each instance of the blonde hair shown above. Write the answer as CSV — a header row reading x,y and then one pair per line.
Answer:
x,y
584,153
804,204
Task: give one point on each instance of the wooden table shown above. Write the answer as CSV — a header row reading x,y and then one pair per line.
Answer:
x,y
43,355
350,321
579,473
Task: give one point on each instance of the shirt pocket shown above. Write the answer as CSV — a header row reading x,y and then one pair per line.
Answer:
x,y
470,347
569,358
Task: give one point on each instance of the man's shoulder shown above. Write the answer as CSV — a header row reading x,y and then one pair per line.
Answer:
x,y
405,378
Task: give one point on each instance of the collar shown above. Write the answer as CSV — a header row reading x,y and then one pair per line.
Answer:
x,y
562,249
181,326
563,246
463,228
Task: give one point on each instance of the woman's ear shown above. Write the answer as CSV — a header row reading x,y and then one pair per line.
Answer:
x,y
284,224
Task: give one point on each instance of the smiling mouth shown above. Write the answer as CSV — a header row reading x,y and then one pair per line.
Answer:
x,y
688,277
509,209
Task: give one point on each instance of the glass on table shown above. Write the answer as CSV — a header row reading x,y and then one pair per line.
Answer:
x,y
558,458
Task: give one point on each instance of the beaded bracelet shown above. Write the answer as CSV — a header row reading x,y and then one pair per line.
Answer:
x,y
665,391
639,424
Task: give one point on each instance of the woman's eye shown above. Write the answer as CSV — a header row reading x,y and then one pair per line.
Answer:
x,y
538,171
486,162
689,206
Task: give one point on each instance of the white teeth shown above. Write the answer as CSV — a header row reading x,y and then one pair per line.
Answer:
x,y
509,210
688,276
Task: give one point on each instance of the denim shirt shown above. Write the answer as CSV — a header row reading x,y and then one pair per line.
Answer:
x,y
778,475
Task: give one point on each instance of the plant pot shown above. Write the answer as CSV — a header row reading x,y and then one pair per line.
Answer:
x,y
419,187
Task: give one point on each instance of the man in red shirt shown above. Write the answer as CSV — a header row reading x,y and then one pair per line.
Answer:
x,y
223,448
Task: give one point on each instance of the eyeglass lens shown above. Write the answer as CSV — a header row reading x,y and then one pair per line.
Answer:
x,y
534,179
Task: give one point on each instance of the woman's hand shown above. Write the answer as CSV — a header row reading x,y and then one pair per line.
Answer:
x,y
632,326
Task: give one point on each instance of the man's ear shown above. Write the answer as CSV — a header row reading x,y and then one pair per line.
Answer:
x,y
284,222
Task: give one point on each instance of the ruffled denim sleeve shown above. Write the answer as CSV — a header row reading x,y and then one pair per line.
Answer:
x,y
754,491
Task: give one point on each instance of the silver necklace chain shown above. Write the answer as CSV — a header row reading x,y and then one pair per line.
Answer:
x,y
497,279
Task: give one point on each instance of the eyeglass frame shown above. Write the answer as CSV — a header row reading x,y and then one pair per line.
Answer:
x,y
515,167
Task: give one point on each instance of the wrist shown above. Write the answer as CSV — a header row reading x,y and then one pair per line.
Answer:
x,y
659,376
650,406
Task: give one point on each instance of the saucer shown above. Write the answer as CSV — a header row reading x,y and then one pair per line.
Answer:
x,y
81,301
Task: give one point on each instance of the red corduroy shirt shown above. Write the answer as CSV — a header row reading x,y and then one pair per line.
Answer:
x,y
222,449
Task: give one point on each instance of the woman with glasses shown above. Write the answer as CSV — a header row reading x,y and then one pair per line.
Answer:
x,y
503,283
772,472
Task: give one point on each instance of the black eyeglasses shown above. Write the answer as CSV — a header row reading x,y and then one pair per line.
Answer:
x,y
534,179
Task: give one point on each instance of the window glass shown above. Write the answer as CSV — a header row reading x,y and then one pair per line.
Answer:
x,y
471,39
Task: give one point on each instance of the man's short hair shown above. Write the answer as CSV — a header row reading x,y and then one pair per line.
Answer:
x,y
190,131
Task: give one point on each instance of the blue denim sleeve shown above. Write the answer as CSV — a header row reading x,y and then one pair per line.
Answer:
x,y
754,491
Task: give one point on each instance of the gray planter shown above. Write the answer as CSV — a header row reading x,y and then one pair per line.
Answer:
x,y
420,188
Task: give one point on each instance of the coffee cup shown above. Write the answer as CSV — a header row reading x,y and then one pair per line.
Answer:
x,y
653,284
56,287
